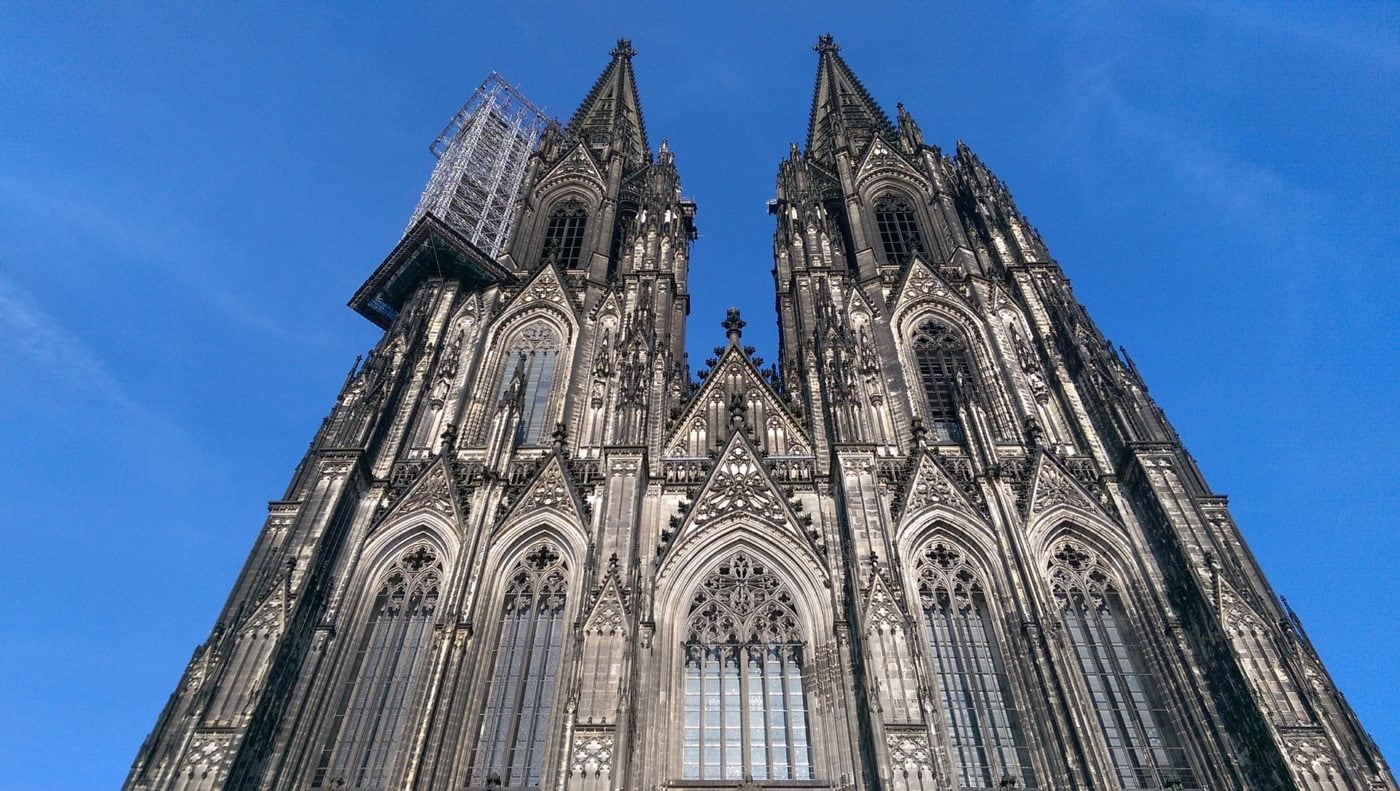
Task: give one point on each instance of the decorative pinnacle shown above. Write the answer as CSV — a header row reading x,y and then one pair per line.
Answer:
x,y
825,44
733,326
623,49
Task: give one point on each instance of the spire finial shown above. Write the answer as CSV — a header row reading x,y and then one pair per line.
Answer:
x,y
623,49
826,43
733,326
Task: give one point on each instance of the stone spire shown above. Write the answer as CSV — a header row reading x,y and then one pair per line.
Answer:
x,y
611,115
843,113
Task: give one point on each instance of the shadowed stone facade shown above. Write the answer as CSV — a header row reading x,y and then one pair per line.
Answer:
x,y
947,542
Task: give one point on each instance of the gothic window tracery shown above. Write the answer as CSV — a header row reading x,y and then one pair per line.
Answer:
x,y
984,728
525,673
898,226
941,357
1137,729
745,695
528,374
389,663
563,236
621,236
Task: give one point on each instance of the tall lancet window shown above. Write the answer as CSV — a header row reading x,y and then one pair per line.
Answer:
x,y
528,374
899,229
984,730
1137,729
390,665
563,236
745,697
941,357
520,700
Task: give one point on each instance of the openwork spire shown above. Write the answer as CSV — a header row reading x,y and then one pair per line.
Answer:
x,y
611,114
843,112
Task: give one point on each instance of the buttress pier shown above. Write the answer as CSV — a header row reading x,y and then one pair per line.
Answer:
x,y
947,542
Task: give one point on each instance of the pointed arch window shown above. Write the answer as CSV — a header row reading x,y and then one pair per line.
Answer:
x,y
941,357
563,236
517,719
745,694
528,375
621,236
899,231
390,665
1138,730
984,728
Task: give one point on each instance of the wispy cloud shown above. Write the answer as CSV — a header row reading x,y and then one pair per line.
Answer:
x,y
67,212
1323,32
31,335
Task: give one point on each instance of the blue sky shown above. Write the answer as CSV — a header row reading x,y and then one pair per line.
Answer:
x,y
188,197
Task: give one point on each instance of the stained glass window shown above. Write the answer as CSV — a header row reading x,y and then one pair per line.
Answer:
x,y
530,366
984,728
389,667
745,694
525,673
1137,728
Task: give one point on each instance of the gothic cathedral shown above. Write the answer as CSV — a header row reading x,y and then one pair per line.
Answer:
x,y
947,542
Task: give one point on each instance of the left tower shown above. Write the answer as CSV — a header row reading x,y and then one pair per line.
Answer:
x,y
430,603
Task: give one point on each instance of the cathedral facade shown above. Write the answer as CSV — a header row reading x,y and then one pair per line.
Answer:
x,y
947,542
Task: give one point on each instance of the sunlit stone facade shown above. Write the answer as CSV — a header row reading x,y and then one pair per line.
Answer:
x,y
947,542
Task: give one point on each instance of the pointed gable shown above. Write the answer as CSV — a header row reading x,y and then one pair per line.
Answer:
x,y
550,490
739,487
433,490
579,167
842,110
544,289
921,282
608,613
883,612
884,158
931,486
1052,486
706,421
611,114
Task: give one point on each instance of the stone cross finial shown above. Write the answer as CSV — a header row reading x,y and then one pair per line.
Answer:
x,y
623,49
733,326
826,43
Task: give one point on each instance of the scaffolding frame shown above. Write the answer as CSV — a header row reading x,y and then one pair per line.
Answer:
x,y
482,155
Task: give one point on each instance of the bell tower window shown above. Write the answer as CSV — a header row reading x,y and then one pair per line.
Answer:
x,y
563,237
899,229
944,370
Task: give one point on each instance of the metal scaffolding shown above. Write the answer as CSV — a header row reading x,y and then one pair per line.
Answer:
x,y
482,156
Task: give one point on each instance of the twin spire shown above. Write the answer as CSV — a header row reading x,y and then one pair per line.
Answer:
x,y
843,112
611,114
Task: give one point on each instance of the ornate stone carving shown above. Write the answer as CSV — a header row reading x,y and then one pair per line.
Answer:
x,y
609,614
433,491
931,486
909,752
882,610
208,757
739,485
1053,487
592,754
